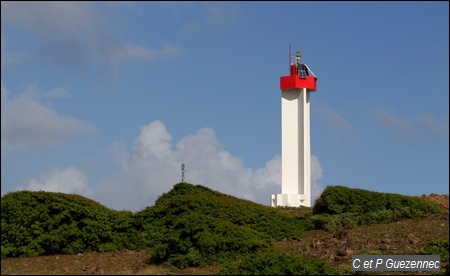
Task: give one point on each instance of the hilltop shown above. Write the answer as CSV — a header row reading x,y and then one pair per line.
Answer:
x,y
195,230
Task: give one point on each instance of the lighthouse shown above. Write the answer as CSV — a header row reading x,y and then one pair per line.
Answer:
x,y
295,135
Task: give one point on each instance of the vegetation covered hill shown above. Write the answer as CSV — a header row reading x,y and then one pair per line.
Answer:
x,y
193,226
43,223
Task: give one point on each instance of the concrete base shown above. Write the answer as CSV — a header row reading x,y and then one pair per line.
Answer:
x,y
289,200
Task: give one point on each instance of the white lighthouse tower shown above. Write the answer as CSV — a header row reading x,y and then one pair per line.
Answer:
x,y
295,135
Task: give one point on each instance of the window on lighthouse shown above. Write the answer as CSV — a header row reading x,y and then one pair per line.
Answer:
x,y
302,71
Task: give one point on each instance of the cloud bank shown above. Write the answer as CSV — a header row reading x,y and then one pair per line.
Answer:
x,y
412,128
75,36
154,165
214,15
27,124
70,180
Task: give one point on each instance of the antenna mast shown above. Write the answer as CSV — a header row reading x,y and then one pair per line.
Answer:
x,y
290,62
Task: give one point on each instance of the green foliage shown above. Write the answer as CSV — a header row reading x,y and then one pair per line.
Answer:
x,y
333,222
195,226
325,221
342,207
42,223
192,225
437,247
339,199
186,198
270,262
380,216
198,240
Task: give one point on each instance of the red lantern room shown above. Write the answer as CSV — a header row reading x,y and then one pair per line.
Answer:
x,y
300,77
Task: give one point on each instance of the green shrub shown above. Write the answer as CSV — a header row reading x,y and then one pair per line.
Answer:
x,y
333,222
326,222
43,223
270,262
341,207
6,251
198,240
187,198
340,199
380,216
349,220
437,247
192,225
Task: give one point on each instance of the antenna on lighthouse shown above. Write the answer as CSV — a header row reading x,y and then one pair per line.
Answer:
x,y
290,57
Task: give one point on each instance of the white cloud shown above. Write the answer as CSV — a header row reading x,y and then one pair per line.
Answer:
x,y
334,124
433,126
70,180
57,93
153,141
55,18
401,127
9,57
316,175
154,166
410,128
131,51
220,14
77,35
27,124
215,15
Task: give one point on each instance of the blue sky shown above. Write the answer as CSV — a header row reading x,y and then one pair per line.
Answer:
x,y
108,99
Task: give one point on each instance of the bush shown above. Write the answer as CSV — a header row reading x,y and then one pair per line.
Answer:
x,y
380,216
187,198
326,222
340,206
198,240
437,247
349,220
332,222
43,223
270,262
339,199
